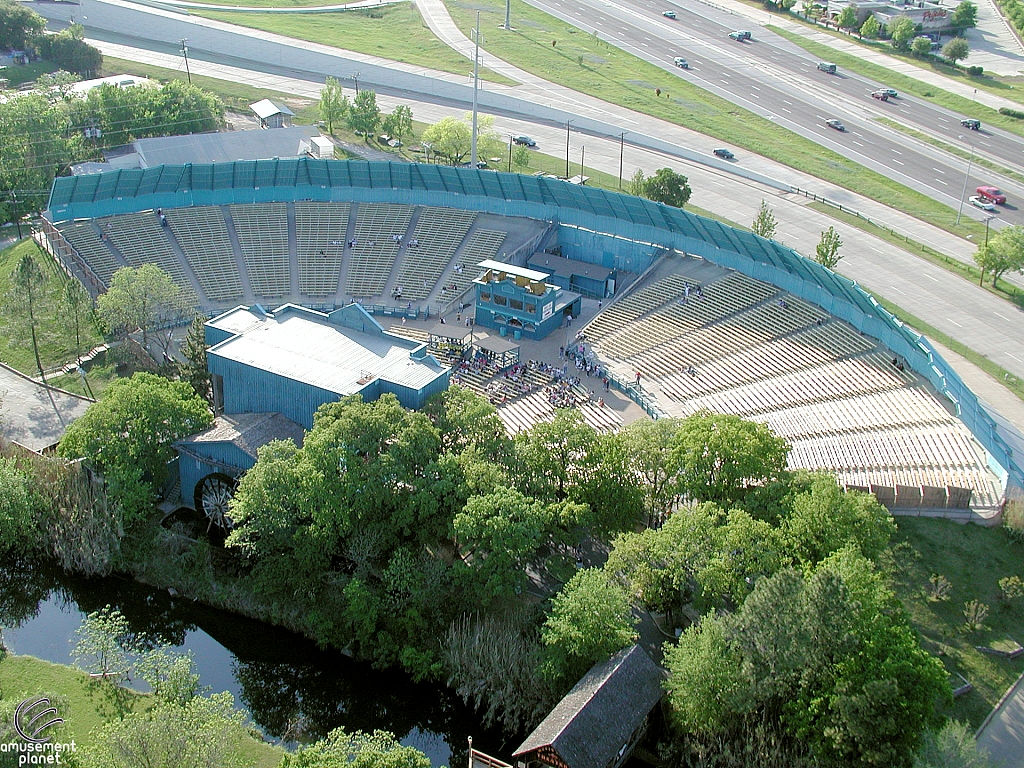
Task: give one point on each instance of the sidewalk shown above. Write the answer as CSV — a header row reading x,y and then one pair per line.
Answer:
x,y
1002,733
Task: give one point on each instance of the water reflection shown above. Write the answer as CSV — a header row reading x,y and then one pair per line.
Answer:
x,y
293,690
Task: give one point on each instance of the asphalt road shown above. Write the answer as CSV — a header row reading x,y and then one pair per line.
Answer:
x,y
778,80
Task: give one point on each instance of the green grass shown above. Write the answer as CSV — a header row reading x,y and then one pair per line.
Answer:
x,y
54,332
394,32
952,149
17,74
973,558
275,3
1003,290
911,85
584,62
86,704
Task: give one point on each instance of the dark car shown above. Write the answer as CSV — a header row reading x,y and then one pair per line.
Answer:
x,y
837,124
723,153
524,141
970,122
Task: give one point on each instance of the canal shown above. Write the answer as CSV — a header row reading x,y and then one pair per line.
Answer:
x,y
294,691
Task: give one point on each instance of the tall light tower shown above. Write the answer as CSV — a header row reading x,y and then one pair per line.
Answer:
x,y
184,52
967,177
476,80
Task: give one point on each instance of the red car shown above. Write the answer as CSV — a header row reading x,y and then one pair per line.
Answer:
x,y
992,193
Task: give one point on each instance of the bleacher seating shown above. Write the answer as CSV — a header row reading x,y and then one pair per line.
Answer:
x,y
203,236
482,244
437,235
84,239
320,233
262,230
141,240
372,258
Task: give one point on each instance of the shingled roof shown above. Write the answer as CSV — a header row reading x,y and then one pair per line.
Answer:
x,y
589,727
248,431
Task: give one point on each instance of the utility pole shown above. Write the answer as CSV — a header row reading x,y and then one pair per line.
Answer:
x,y
510,153
622,144
583,154
476,80
508,14
184,52
567,123
355,79
963,192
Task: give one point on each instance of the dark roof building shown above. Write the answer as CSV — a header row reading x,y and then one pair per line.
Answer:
x,y
601,719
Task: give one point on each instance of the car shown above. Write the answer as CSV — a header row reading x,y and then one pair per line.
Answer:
x,y
972,123
723,153
890,92
991,193
827,66
880,95
740,35
680,62
524,141
669,14
981,202
837,124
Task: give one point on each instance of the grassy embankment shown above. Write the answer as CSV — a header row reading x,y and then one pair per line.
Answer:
x,y
394,32
973,559
86,703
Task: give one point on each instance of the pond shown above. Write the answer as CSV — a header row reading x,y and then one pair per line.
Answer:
x,y
294,691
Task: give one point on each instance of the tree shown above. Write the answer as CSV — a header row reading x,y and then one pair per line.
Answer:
x,y
103,643
825,519
870,28
69,51
956,49
364,114
964,16
952,746
79,306
450,138
142,298
1004,253
847,18
826,252
398,124
764,223
590,619
719,456
18,25
921,46
901,31
20,505
193,349
27,293
127,434
340,749
334,104
520,156
637,183
649,446
668,187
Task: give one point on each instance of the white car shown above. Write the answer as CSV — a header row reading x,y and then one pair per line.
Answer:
x,y
981,202
680,62
669,14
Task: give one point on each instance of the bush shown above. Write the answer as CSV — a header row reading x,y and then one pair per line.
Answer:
x,y
975,71
1009,112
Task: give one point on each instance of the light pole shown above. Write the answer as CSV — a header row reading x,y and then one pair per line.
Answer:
x,y
622,144
355,79
184,52
988,221
476,80
583,154
567,124
967,177
510,153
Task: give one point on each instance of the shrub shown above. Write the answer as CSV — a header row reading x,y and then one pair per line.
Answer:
x,y
975,71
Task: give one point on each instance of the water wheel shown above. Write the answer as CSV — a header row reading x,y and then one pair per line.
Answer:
x,y
212,495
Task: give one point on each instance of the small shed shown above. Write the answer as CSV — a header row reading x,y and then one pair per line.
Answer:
x,y
498,351
601,720
272,115
451,340
583,277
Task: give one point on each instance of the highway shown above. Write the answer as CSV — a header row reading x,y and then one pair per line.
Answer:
x,y
779,81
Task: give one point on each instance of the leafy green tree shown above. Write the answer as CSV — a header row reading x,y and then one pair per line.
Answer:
x,y
18,25
467,420
334,104
28,292
637,184
20,506
649,447
745,550
956,49
870,28
364,114
399,123
921,46
825,519
142,298
964,16
952,746
68,50
340,749
193,349
520,156
826,252
901,31
450,138
590,619
847,18
104,640
127,434
668,187
1004,253
764,223
721,456
79,307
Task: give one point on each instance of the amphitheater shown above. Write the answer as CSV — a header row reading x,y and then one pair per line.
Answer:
x,y
715,318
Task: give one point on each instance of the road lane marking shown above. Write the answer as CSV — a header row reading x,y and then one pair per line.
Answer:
x,y
954,322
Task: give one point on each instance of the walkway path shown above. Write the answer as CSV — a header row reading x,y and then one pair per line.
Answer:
x,y
1002,733
286,9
